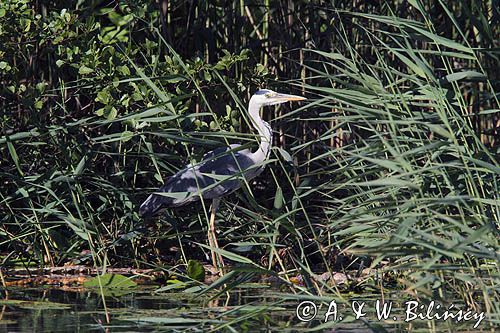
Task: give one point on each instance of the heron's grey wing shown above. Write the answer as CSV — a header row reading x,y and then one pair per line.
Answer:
x,y
223,174
219,151
216,175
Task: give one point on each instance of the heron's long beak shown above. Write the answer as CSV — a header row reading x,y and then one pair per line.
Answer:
x,y
288,98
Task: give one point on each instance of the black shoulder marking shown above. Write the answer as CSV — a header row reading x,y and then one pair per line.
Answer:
x,y
262,92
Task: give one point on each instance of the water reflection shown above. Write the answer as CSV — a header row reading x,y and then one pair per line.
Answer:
x,y
257,308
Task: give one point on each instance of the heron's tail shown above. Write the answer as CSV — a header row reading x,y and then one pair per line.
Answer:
x,y
153,204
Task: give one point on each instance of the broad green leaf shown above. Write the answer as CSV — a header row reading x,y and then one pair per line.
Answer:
x,y
278,198
84,70
126,136
108,280
195,270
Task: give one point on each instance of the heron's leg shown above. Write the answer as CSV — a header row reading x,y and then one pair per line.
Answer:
x,y
212,237
211,242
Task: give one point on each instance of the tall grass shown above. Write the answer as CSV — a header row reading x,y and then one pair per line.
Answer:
x,y
409,180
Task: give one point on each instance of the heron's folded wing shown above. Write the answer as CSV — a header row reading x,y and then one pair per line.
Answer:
x,y
220,151
219,173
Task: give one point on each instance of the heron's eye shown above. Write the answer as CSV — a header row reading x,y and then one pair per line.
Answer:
x,y
268,95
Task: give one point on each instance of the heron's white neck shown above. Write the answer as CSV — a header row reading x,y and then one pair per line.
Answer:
x,y
264,130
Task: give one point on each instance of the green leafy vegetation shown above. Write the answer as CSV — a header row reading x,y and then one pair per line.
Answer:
x,y
110,281
195,270
390,174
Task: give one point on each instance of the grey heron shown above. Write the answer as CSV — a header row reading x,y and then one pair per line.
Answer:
x,y
220,171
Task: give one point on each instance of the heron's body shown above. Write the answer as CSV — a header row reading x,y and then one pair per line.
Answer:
x,y
219,173
222,170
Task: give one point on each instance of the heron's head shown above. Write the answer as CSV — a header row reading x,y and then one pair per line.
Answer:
x,y
268,97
